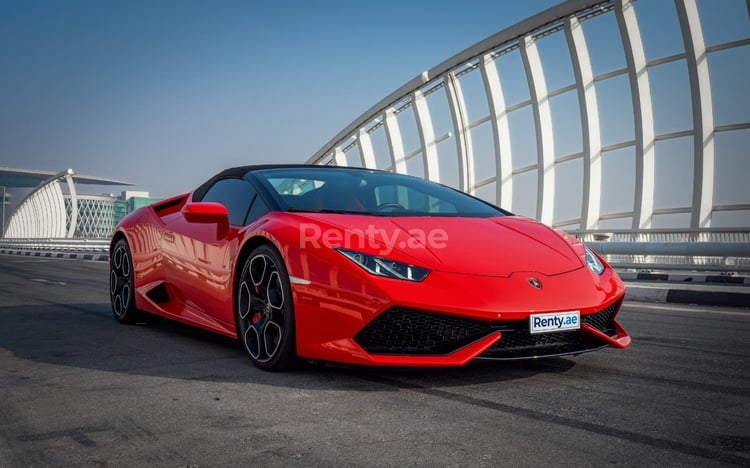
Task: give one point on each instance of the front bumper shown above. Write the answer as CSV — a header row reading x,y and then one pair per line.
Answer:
x,y
451,319
399,332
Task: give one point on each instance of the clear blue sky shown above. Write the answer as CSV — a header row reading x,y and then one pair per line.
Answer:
x,y
166,93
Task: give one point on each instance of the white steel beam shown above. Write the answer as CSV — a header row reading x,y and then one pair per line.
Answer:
x,y
364,142
463,136
643,114
501,132
73,204
45,199
703,117
55,198
545,146
395,143
339,157
426,136
590,124
37,212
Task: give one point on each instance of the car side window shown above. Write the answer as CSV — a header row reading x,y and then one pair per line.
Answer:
x,y
257,210
235,194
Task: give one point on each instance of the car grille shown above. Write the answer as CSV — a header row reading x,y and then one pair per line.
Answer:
x,y
518,343
414,332
407,331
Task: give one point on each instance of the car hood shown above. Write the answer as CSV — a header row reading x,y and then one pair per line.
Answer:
x,y
498,246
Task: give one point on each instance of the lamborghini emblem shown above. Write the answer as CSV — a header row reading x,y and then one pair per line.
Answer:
x,y
535,282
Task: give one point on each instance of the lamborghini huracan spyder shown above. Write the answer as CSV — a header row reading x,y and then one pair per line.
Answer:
x,y
362,267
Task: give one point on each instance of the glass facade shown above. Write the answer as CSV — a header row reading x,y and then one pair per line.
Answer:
x,y
133,203
98,215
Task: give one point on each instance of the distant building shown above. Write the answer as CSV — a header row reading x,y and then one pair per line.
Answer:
x,y
120,210
135,199
128,194
98,215
49,212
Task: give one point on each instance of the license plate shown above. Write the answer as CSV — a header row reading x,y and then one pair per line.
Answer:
x,y
558,321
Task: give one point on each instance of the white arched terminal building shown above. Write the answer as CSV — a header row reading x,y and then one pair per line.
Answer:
x,y
56,209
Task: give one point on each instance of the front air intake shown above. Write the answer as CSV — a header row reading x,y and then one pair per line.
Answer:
x,y
407,331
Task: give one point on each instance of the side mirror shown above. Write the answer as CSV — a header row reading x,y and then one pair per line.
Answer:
x,y
208,213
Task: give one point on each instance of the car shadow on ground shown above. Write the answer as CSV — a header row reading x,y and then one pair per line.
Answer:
x,y
86,336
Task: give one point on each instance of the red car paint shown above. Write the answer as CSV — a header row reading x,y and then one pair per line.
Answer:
x,y
482,273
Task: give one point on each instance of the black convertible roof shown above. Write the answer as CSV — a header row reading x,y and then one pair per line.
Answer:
x,y
240,171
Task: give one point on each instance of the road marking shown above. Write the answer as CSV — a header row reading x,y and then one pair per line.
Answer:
x,y
46,281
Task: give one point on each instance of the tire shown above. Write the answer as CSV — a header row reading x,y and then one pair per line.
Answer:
x,y
264,310
122,284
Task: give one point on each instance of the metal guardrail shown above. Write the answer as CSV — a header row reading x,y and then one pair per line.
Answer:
x,y
685,249
712,249
664,235
709,249
57,245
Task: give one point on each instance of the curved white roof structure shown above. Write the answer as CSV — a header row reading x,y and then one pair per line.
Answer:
x,y
12,177
43,212
534,179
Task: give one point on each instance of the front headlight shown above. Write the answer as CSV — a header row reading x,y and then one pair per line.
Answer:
x,y
592,261
384,267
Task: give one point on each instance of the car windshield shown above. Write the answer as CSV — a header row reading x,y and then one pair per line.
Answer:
x,y
362,191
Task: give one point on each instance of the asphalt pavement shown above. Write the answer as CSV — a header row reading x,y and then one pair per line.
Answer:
x,y
79,389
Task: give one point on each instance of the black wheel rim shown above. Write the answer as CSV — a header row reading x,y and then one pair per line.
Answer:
x,y
120,280
261,305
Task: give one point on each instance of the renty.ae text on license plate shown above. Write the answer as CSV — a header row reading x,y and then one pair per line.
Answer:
x,y
557,321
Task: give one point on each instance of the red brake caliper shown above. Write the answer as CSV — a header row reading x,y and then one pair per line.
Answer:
x,y
257,315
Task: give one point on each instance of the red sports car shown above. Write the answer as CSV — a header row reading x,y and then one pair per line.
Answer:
x,y
362,267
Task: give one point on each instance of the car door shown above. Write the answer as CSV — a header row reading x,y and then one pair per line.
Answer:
x,y
202,255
